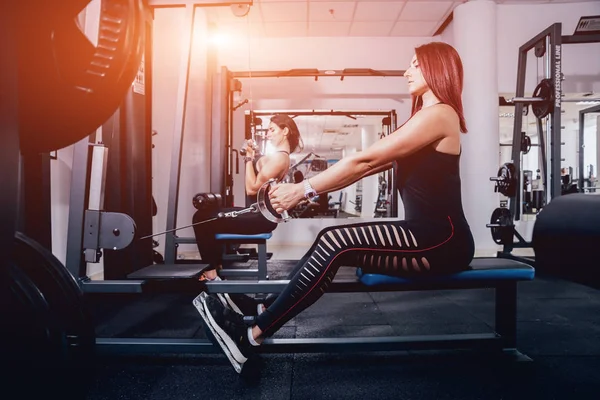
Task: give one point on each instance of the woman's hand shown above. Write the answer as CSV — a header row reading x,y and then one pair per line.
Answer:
x,y
286,196
250,147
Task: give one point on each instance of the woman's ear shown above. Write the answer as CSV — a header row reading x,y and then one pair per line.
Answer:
x,y
286,131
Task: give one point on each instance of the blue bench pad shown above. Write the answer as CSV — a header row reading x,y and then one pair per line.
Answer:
x,y
481,269
235,236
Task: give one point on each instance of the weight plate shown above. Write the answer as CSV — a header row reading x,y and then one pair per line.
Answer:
x,y
68,86
507,180
502,226
544,90
65,300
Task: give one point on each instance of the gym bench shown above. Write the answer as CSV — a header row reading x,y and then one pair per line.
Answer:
x,y
499,274
258,239
495,273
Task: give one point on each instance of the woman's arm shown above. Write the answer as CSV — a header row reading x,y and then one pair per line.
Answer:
x,y
372,172
274,166
425,127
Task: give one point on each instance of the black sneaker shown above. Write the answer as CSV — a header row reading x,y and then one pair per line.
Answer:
x,y
227,329
240,303
244,304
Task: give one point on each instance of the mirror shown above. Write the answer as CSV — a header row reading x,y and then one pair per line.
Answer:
x,y
328,136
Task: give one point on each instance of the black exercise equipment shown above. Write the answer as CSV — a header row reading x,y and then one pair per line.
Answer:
x,y
506,181
525,143
68,87
53,329
207,201
546,104
501,224
542,101
566,235
65,301
545,91
56,89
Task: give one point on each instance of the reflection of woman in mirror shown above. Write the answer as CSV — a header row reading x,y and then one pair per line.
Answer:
x,y
435,237
283,138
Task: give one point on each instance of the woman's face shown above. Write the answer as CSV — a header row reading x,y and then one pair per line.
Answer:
x,y
416,83
275,134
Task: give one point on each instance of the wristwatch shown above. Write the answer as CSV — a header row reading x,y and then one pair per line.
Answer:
x,y
309,192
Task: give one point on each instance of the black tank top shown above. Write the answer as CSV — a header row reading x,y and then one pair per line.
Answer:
x,y
430,187
252,199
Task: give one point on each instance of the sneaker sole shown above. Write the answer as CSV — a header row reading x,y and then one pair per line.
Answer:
x,y
214,338
232,352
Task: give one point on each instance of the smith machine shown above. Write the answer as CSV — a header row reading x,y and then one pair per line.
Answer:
x,y
546,106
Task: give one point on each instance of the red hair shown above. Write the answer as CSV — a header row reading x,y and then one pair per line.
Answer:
x,y
443,71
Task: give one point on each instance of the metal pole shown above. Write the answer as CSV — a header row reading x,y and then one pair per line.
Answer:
x,y
555,117
515,210
548,179
176,151
79,179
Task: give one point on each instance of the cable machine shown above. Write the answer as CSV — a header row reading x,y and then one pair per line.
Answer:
x,y
546,106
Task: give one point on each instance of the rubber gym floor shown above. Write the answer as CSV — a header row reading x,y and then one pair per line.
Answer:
x,y
558,327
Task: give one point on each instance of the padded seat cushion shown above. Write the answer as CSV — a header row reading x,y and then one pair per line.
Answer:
x,y
480,269
236,236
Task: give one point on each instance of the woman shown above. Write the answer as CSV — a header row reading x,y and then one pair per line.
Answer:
x,y
435,237
283,138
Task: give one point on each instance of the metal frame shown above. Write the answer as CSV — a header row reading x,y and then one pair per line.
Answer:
x,y
550,42
582,114
171,242
550,39
547,43
317,73
502,340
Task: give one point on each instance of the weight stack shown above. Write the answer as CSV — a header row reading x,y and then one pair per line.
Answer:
x,y
566,237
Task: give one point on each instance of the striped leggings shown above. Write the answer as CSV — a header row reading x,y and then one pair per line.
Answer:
x,y
397,248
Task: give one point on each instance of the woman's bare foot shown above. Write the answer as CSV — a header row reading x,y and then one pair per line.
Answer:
x,y
209,275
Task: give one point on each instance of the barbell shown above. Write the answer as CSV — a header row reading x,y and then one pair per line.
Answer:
x,y
542,102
